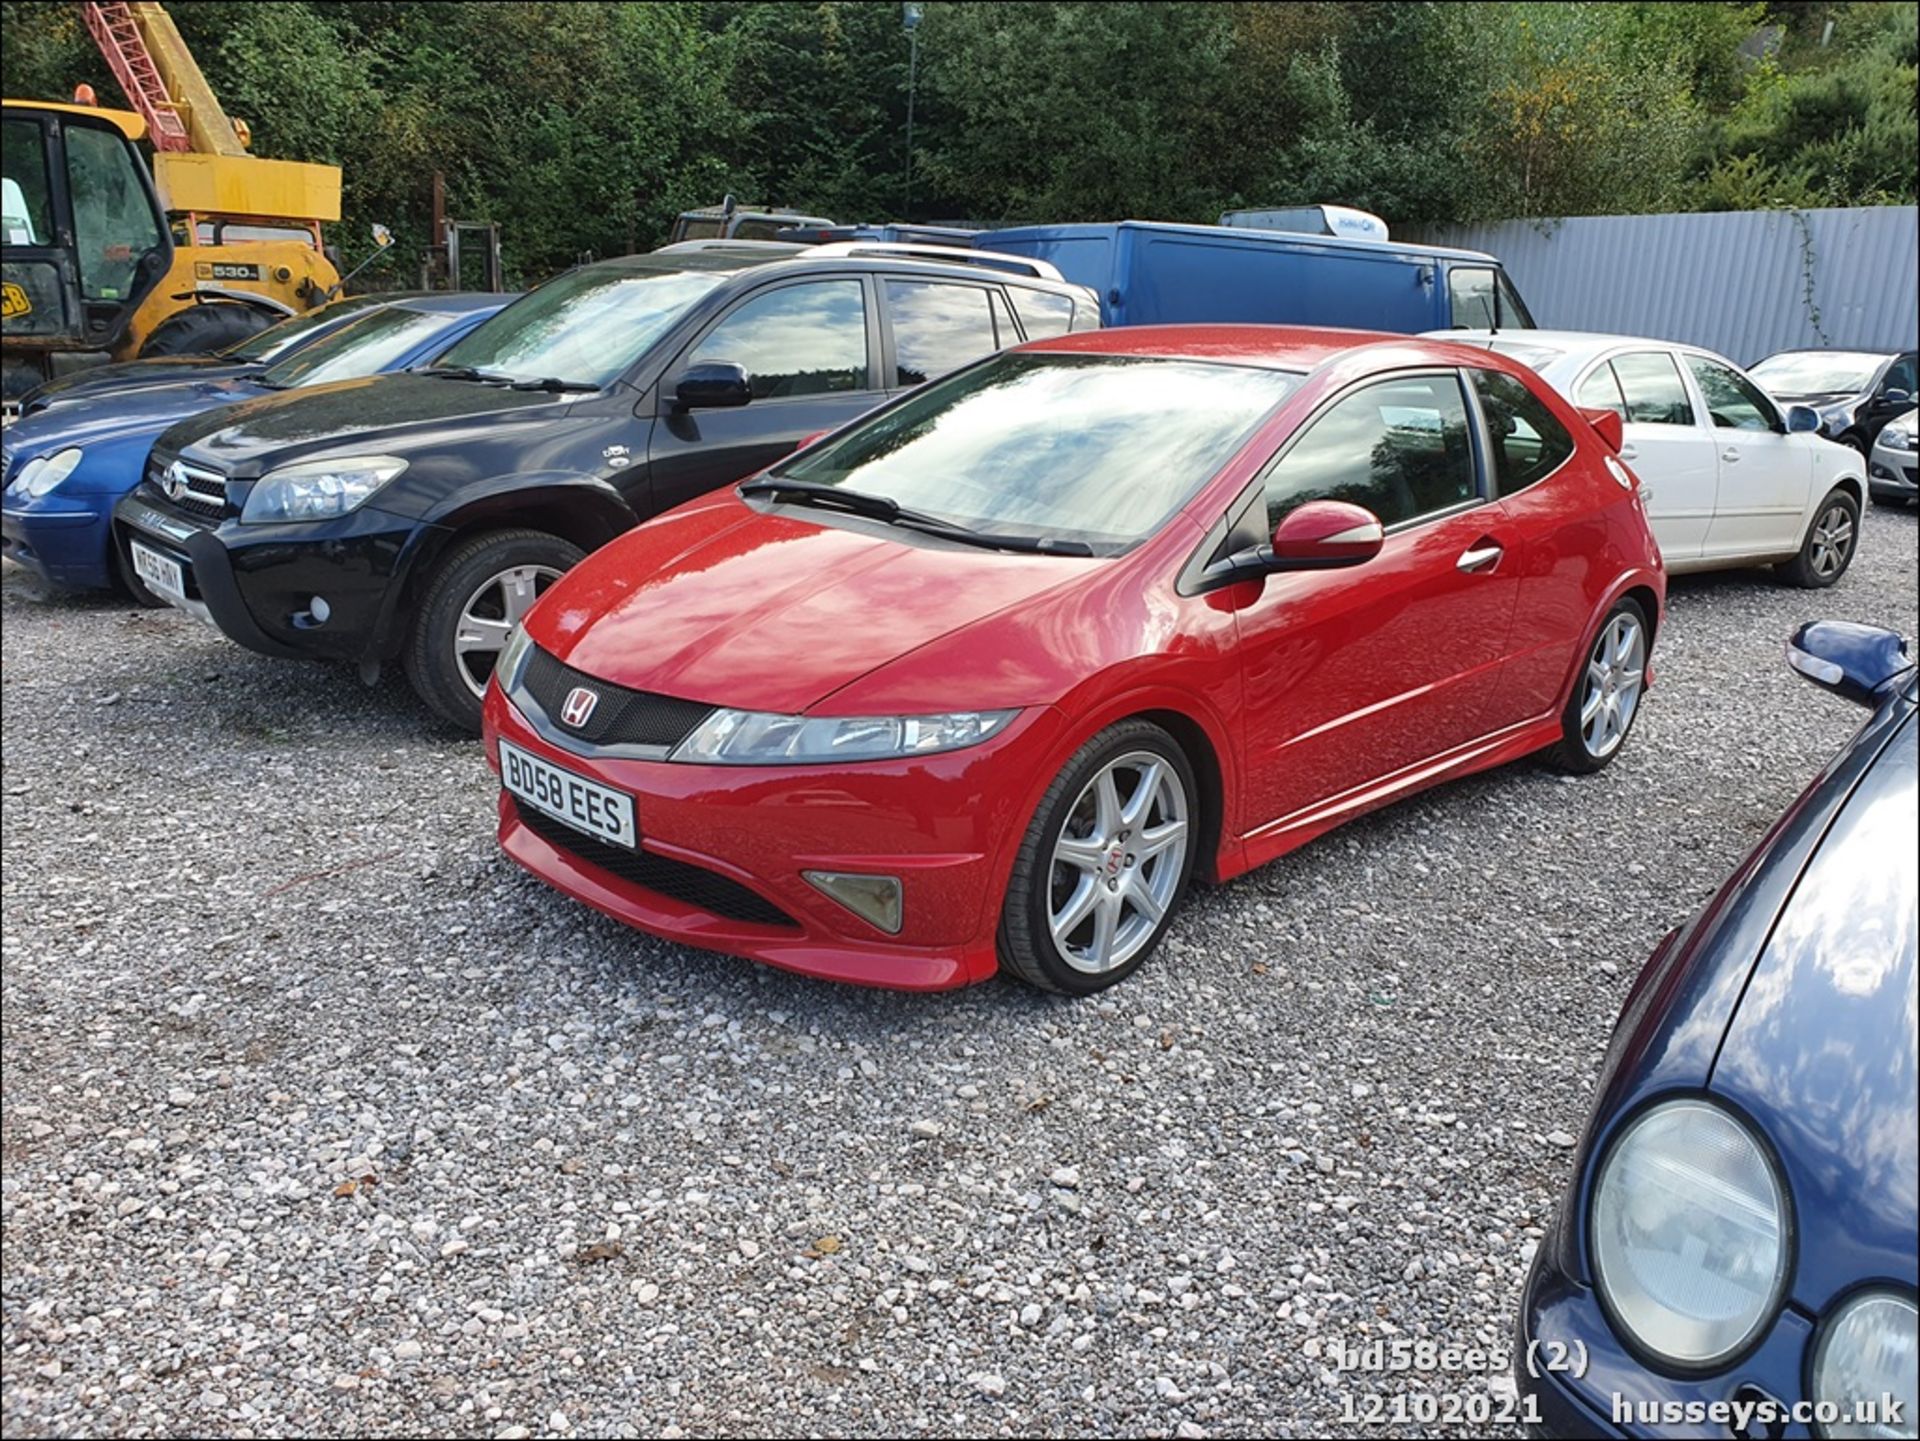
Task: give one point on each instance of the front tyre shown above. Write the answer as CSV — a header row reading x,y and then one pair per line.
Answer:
x,y
1606,697
1828,548
1104,863
475,598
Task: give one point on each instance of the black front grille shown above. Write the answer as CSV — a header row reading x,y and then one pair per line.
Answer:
x,y
690,885
202,493
620,716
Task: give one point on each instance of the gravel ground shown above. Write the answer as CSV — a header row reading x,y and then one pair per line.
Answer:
x,y
321,1117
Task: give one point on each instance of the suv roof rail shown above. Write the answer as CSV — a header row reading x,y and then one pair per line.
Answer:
x,y
765,247
949,254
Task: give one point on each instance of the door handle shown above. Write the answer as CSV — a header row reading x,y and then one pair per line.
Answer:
x,y
1482,557
1730,455
1627,452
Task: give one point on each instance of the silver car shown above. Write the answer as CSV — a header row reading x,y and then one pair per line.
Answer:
x,y
1890,469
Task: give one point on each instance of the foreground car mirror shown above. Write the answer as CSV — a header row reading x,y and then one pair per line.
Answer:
x,y
1802,418
1859,662
1326,535
1606,424
713,385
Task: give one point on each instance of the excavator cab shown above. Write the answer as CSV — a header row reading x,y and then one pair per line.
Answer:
x,y
85,239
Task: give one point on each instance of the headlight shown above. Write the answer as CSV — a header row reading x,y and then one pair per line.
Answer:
x,y
1897,439
513,655
40,475
318,489
1689,1228
1867,1351
748,738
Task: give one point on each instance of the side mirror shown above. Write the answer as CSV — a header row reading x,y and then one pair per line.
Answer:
x,y
1607,424
1802,419
713,385
1897,397
1326,535
1855,661
809,440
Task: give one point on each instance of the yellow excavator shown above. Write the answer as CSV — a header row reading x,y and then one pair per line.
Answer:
x,y
107,258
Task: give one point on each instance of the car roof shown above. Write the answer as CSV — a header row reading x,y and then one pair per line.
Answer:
x,y
1275,347
1834,351
737,255
456,302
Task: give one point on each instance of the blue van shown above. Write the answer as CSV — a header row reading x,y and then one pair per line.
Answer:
x,y
1149,273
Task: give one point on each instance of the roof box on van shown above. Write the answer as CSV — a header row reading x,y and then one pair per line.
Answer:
x,y
1312,220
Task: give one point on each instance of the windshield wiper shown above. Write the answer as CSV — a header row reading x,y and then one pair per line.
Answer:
x,y
464,372
554,385
879,507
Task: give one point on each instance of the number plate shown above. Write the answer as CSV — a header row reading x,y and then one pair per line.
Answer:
x,y
589,807
162,574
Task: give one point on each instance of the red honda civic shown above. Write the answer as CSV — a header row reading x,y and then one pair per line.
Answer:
x,y
984,678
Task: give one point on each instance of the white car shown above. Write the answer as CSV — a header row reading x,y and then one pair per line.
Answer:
x,y
1730,479
1892,478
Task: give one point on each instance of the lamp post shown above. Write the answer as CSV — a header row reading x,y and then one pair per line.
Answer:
x,y
910,12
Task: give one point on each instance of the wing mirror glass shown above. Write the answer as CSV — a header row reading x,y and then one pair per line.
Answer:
x,y
1852,660
713,385
1802,419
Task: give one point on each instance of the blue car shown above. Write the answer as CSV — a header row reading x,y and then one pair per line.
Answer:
x,y
65,467
248,357
1735,1255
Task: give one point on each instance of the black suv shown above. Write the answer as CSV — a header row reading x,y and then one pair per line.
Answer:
x,y
416,516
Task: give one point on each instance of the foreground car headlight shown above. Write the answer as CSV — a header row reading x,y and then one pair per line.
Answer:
x,y
43,473
750,738
1867,1351
319,489
1689,1224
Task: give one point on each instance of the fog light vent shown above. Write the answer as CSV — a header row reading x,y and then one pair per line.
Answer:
x,y
875,899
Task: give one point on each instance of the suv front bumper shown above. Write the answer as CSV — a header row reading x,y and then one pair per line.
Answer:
x,y
257,584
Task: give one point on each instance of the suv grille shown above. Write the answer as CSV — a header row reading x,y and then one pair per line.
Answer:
x,y
621,717
205,491
689,884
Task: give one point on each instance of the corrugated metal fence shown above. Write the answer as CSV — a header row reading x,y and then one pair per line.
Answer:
x,y
1744,283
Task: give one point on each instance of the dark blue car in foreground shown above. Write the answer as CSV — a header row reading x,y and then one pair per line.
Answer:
x,y
65,466
1739,1238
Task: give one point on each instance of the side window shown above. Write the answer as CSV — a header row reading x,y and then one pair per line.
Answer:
x,y
1470,289
798,340
1514,314
1652,388
113,221
937,327
1899,376
1399,448
1042,313
1528,443
1733,401
1601,391
27,204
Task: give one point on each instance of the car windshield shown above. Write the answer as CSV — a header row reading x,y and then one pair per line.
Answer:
x,y
1817,372
363,346
1096,448
265,346
584,327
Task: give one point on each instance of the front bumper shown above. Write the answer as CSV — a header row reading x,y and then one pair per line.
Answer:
x,y
1893,472
64,539
946,825
257,583
1578,1380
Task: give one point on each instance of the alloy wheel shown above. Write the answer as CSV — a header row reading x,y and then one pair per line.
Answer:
x,y
1117,862
1831,541
489,616
1616,675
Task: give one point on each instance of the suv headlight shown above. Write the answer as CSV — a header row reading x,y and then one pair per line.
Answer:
x,y
42,474
1867,1351
319,489
751,738
1689,1223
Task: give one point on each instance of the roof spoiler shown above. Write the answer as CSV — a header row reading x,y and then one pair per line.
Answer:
x,y
1606,424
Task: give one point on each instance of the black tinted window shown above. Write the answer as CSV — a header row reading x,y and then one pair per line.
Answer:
x,y
1042,313
1528,443
798,340
1654,392
1733,401
1399,448
1899,375
937,328
27,212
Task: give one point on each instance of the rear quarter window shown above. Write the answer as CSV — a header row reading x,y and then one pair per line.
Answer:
x,y
1528,443
1043,314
